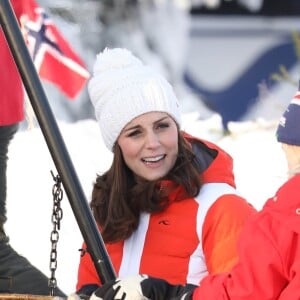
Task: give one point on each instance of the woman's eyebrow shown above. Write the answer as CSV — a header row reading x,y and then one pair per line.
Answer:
x,y
137,126
161,119
131,128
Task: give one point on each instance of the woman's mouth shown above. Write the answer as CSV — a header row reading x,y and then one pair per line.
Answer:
x,y
153,159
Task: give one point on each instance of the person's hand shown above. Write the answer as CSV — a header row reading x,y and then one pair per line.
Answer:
x,y
142,287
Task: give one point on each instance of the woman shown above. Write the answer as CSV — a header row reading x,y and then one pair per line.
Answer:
x,y
269,246
168,198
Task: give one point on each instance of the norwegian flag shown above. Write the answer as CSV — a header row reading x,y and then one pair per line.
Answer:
x,y
53,57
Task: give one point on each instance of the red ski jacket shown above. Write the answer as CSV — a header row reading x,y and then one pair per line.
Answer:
x,y
191,238
269,250
12,95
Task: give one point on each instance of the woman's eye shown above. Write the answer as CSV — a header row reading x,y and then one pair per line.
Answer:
x,y
134,133
163,125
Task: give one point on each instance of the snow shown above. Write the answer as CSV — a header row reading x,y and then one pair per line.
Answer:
x,y
258,163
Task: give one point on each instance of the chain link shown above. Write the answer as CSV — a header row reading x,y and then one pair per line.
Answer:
x,y
57,215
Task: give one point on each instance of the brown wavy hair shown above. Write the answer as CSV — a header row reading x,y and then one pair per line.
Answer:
x,y
118,197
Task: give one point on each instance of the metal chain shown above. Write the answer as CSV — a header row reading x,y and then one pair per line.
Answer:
x,y
57,215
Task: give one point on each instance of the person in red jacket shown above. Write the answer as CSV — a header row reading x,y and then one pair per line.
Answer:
x,y
17,274
168,198
269,245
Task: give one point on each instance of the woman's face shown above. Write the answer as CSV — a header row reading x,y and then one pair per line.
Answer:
x,y
149,144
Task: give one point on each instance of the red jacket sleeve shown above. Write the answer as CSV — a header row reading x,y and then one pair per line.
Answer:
x,y
221,230
87,273
12,95
259,274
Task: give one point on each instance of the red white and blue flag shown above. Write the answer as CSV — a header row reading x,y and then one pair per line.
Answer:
x,y
53,57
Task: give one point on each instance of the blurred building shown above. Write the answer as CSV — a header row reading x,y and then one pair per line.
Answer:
x,y
244,63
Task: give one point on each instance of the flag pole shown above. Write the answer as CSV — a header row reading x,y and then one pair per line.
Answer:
x,y
55,143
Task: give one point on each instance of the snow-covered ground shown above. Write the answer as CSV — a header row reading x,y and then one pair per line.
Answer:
x,y
258,161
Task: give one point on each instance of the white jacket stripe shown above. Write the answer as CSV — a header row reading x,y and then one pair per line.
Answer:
x,y
209,193
132,250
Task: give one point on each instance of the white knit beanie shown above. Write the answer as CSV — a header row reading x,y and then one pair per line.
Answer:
x,y
122,88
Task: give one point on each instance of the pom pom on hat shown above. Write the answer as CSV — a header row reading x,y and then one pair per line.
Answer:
x,y
122,88
288,131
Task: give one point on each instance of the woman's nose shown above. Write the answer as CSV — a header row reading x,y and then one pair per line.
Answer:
x,y
152,140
